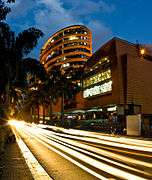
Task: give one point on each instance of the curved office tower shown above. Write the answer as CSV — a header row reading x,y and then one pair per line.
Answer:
x,y
68,48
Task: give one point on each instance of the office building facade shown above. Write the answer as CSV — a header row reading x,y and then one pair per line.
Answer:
x,y
118,81
68,48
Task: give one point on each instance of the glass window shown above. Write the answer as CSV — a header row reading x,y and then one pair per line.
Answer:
x,y
102,76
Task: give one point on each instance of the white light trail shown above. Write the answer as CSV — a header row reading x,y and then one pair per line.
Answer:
x,y
69,143
70,159
136,142
102,166
101,152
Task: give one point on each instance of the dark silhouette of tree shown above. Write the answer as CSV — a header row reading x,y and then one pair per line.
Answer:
x,y
13,50
63,87
4,9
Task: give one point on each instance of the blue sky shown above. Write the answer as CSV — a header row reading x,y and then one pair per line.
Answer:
x,y
127,19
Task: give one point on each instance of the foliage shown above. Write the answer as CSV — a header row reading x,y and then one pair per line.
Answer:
x,y
4,10
14,67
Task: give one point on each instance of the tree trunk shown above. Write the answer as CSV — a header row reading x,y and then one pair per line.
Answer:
x,y
50,110
38,114
7,100
43,113
32,113
62,109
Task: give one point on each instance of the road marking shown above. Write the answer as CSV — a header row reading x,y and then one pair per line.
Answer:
x,y
36,169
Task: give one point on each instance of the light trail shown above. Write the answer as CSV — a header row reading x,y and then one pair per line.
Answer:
x,y
113,164
116,139
99,165
99,151
78,155
110,141
70,159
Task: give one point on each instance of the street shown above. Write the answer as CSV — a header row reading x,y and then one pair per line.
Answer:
x,y
73,154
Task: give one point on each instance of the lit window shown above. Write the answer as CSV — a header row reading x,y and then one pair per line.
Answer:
x,y
49,56
68,77
66,65
73,38
97,78
100,89
52,53
52,40
64,58
105,59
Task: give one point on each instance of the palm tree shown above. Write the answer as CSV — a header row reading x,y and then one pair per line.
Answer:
x,y
63,87
29,86
4,9
13,49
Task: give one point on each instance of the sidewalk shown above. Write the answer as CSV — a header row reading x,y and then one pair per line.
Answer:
x,y
13,165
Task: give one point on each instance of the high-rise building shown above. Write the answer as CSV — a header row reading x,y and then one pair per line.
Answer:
x,y
68,48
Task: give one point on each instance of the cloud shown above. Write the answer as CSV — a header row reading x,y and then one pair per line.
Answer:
x,y
52,15
89,7
21,8
100,33
52,18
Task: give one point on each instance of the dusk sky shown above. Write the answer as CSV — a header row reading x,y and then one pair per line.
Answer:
x,y
127,19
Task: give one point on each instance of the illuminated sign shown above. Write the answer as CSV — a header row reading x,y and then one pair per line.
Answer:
x,y
99,89
112,108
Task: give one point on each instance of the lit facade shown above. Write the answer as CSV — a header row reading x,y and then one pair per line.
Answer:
x,y
69,47
118,81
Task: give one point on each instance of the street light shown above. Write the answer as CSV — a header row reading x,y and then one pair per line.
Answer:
x,y
142,51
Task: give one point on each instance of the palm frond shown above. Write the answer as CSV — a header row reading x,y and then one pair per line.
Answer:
x,y
4,10
27,40
34,67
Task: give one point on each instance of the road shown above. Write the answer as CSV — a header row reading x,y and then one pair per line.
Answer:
x,y
73,154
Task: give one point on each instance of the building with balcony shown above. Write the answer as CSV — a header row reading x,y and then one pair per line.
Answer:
x,y
68,48
116,83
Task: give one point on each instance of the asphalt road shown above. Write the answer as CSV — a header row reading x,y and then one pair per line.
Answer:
x,y
74,155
